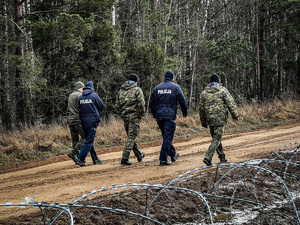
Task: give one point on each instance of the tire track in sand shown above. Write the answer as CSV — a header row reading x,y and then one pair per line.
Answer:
x,y
62,181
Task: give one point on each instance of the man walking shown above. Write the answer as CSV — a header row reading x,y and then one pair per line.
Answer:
x,y
90,106
74,121
215,101
131,108
163,104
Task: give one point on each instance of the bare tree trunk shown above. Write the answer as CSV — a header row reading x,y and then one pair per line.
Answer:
x,y
113,14
5,94
261,33
278,90
154,21
207,24
166,26
192,80
20,89
298,75
257,41
150,90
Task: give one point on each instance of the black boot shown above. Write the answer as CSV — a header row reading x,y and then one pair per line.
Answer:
x,y
207,161
164,163
125,162
73,156
141,157
97,161
173,158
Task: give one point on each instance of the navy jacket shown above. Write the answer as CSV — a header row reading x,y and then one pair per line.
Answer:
x,y
90,105
164,100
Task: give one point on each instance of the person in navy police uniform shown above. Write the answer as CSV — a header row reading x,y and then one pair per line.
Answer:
x,y
90,106
163,105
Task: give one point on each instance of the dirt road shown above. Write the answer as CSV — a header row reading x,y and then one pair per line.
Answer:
x,y
59,180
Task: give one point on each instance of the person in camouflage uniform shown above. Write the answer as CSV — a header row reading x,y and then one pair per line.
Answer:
x,y
131,107
74,121
215,101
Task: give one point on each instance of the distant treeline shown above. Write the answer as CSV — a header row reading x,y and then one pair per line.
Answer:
x,y
48,45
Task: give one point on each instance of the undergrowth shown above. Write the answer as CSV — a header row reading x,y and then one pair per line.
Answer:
x,y
41,141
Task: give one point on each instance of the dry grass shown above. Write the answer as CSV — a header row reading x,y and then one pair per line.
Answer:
x,y
33,143
110,132
47,141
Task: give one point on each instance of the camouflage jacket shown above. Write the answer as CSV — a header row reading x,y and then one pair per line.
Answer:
x,y
215,101
130,101
73,110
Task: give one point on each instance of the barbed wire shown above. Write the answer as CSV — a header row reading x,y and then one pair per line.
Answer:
x,y
251,170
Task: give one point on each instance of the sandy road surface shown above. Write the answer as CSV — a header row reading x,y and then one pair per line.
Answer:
x,y
59,180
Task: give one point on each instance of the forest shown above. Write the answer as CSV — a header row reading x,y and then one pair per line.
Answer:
x,y
48,45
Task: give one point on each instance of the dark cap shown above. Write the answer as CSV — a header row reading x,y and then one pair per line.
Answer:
x,y
134,77
169,75
215,78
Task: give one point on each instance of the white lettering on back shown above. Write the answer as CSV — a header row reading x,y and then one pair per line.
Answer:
x,y
165,91
86,101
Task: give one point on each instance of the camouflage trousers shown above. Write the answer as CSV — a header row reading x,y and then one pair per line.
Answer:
x,y
132,128
77,136
216,145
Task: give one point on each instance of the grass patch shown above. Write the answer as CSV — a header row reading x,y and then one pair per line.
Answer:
x,y
42,141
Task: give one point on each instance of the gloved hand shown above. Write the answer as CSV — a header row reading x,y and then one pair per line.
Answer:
x,y
204,125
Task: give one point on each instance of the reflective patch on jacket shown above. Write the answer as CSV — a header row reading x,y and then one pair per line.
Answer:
x,y
86,101
165,91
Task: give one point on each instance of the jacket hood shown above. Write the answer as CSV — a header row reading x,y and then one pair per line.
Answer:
x,y
87,90
128,84
213,87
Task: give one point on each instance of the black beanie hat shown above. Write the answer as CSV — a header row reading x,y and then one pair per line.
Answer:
x,y
215,78
169,74
134,77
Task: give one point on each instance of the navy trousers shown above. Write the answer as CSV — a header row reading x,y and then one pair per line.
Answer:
x,y
167,128
89,135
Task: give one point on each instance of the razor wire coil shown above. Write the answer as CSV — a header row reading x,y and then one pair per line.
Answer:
x,y
259,165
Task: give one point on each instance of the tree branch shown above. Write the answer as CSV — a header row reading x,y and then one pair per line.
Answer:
x,y
53,10
13,23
